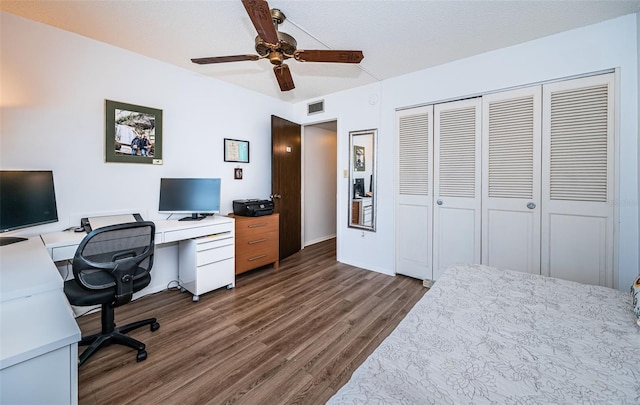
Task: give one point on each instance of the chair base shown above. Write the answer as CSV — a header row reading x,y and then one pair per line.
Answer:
x,y
117,336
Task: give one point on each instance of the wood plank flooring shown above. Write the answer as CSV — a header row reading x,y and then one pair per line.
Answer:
x,y
288,336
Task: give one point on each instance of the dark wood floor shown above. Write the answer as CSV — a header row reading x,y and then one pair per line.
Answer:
x,y
292,335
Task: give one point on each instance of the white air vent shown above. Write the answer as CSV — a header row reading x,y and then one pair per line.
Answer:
x,y
314,108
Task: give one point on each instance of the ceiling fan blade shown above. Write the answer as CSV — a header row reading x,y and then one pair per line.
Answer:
x,y
328,55
260,15
283,74
223,59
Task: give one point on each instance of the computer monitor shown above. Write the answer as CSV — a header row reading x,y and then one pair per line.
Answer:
x,y
358,188
27,198
193,196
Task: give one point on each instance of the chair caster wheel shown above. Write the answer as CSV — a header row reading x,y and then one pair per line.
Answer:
x,y
142,355
155,326
195,298
229,286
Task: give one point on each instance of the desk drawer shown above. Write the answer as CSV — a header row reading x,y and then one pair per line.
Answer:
x,y
213,241
212,276
63,253
196,232
214,255
209,277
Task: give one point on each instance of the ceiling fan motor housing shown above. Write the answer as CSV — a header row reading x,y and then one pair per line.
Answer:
x,y
286,46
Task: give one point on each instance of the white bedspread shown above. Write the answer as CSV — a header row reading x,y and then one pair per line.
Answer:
x,y
487,336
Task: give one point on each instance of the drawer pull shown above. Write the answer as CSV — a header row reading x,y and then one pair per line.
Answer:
x,y
256,225
253,242
256,258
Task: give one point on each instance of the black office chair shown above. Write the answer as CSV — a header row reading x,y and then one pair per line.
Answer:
x,y
110,264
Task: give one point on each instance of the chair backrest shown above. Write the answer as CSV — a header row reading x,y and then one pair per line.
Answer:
x,y
115,256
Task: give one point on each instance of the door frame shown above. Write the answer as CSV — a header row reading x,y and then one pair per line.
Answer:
x,y
303,170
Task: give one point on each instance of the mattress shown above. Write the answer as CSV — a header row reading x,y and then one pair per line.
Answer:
x,y
484,335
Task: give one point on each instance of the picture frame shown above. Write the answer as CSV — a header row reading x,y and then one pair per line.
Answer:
x,y
236,150
358,158
133,133
237,173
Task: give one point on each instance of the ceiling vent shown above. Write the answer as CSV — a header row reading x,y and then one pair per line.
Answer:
x,y
314,108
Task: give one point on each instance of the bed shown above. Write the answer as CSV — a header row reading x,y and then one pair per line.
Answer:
x,y
483,335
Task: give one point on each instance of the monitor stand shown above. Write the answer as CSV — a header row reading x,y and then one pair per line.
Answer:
x,y
193,217
7,240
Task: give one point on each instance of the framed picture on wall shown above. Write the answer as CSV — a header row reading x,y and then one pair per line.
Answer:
x,y
358,158
133,133
237,173
236,150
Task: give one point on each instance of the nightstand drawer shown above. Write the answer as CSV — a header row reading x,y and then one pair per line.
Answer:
x,y
252,226
257,241
256,258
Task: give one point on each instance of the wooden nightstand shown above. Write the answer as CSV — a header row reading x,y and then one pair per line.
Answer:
x,y
256,242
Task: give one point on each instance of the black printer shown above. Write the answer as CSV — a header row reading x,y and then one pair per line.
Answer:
x,y
252,208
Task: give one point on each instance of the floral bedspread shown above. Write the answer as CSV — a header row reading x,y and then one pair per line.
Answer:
x,y
482,335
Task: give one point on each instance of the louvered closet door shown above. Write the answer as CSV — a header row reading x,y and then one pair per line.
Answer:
x,y
577,213
415,192
511,174
456,213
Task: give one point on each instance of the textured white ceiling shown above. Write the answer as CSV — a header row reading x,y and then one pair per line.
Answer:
x,y
396,37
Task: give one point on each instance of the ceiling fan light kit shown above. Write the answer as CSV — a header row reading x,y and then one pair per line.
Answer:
x,y
279,46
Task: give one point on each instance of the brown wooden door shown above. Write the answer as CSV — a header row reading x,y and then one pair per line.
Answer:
x,y
286,183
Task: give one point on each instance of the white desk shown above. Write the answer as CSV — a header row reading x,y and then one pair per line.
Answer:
x,y
27,270
39,335
62,245
194,275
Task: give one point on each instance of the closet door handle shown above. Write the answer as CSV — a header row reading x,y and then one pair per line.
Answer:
x,y
531,205
439,202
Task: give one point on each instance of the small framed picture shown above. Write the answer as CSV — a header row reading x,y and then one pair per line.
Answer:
x,y
133,133
236,150
358,158
237,173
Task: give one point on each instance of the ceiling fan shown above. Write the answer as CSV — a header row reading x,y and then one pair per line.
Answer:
x,y
279,46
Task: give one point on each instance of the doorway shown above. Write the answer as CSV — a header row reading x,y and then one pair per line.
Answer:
x,y
320,182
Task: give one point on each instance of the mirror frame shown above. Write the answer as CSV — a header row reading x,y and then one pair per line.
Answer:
x,y
372,161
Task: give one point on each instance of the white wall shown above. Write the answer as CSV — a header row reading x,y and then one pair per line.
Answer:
x,y
319,185
611,44
53,87
354,110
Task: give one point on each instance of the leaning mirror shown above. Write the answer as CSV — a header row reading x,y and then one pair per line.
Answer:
x,y
362,179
